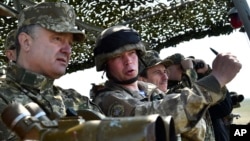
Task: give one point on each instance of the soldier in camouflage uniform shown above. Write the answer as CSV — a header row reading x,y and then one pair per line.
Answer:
x,y
178,79
178,71
156,72
117,52
45,34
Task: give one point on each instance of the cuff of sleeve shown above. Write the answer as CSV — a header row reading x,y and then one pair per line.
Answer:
x,y
210,82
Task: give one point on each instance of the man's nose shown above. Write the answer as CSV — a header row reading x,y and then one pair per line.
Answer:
x,y
165,75
127,59
66,48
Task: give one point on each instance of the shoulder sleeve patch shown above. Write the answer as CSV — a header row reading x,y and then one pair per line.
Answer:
x,y
116,110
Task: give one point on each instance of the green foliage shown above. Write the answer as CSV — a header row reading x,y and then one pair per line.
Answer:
x,y
161,25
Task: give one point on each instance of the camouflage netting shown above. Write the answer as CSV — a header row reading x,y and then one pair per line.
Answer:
x,y
161,25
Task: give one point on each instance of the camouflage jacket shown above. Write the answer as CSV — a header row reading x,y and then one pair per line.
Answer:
x,y
188,79
186,107
23,87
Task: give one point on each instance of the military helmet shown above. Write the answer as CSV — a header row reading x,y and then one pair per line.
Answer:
x,y
176,58
115,40
152,58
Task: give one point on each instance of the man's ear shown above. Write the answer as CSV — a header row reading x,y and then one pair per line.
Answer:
x,y
10,55
24,41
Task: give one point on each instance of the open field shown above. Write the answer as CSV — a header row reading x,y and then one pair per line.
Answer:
x,y
244,112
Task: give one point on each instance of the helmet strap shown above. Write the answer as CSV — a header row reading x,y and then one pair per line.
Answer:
x,y
140,60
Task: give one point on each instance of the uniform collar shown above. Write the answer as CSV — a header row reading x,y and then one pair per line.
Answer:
x,y
28,78
143,86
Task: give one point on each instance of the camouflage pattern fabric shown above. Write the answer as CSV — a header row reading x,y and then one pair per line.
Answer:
x,y
10,40
23,86
199,130
176,58
188,79
152,58
187,107
55,16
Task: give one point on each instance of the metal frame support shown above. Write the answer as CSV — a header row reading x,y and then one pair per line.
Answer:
x,y
244,13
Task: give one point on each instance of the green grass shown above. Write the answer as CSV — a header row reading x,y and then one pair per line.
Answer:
x,y
244,112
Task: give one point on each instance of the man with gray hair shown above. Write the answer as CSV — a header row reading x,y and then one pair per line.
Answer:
x,y
44,38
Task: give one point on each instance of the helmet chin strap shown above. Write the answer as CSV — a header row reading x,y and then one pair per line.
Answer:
x,y
130,81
